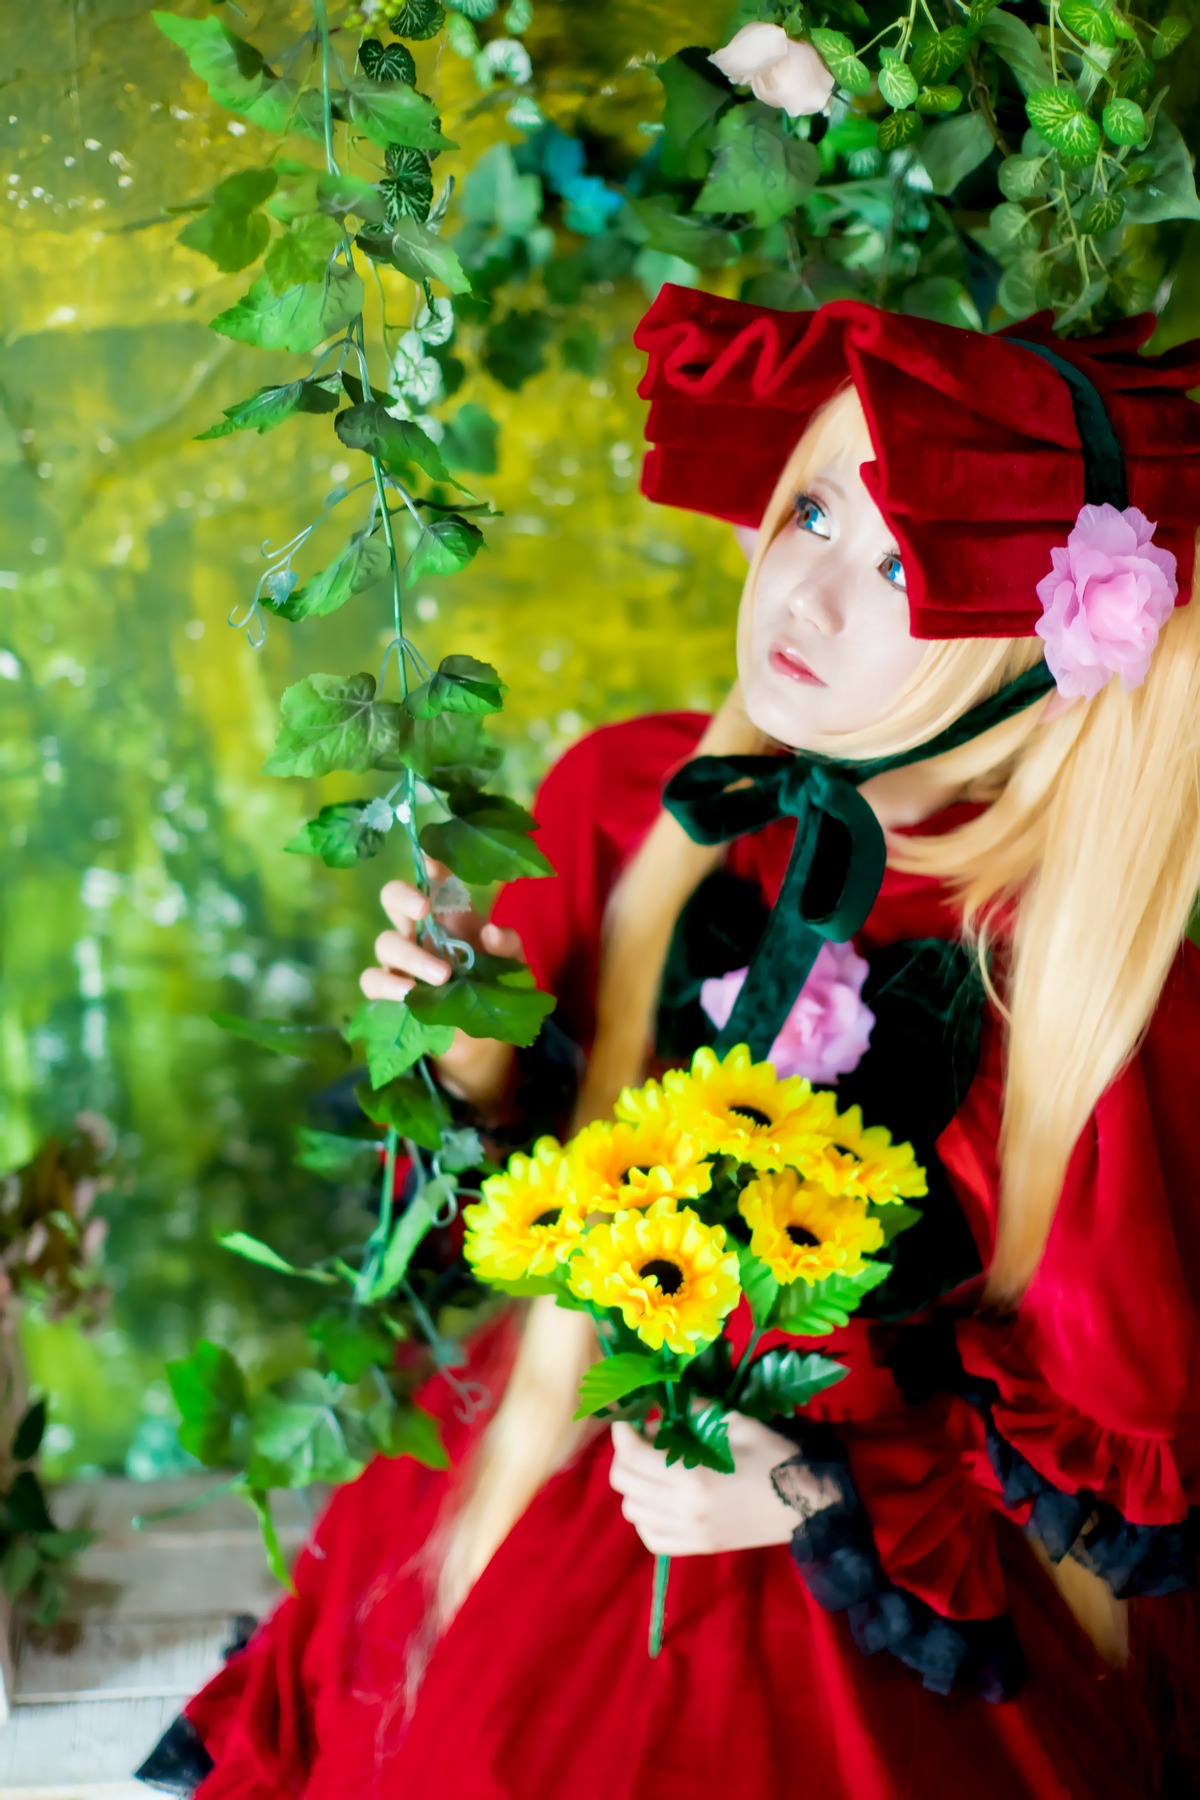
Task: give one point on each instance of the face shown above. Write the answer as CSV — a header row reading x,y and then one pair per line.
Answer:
x,y
823,638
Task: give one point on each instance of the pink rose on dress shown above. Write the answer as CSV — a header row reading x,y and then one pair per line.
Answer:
x,y
828,1029
1105,600
779,71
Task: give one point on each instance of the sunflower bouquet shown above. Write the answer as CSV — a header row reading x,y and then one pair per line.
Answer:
x,y
720,1181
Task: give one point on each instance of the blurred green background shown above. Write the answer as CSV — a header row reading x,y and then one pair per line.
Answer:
x,y
144,884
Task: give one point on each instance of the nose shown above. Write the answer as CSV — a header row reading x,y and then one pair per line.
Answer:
x,y
815,598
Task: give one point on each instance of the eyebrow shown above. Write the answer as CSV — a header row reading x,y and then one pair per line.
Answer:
x,y
829,482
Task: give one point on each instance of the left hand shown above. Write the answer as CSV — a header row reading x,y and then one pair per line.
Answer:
x,y
697,1512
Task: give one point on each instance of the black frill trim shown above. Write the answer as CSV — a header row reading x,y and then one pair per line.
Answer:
x,y
834,1551
178,1762
1136,1561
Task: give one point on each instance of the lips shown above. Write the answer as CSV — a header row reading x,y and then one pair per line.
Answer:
x,y
788,662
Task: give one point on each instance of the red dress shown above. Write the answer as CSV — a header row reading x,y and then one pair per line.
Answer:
x,y
1081,1417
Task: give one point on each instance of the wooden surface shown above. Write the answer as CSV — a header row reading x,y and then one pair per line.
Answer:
x,y
148,1615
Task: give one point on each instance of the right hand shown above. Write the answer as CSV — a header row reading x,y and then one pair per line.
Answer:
x,y
476,1069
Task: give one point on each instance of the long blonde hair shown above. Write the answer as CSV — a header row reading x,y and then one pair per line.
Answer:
x,y
1092,833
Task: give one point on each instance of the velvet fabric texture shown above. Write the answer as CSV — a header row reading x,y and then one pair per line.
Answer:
x,y
978,463
541,1688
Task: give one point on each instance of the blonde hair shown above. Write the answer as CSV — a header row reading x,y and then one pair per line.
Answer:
x,y
1091,833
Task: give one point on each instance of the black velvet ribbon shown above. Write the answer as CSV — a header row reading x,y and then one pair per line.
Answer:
x,y
838,857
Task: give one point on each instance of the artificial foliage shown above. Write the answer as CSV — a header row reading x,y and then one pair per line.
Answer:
x,y
974,163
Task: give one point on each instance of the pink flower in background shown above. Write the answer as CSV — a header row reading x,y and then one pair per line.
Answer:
x,y
828,1029
1104,602
779,71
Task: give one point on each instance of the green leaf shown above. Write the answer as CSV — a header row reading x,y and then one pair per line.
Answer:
x,y
393,1040
396,442
1012,227
782,1380
1024,177
297,319
332,722
304,190
461,1149
270,406
23,1508
897,83
302,253
1015,44
418,19
514,346
898,129
209,1389
950,152
449,751
1170,34
259,1500
22,1563
27,1439
340,1158
694,97
758,1284
352,1343
392,62
1058,114
412,1225
487,838
838,54
1136,76
939,100
279,1035
655,220
497,999
1170,193
255,1251
810,1309
357,566
298,1436
1020,290
1090,23
410,1431
610,1379
405,1105
1124,122
417,252
758,170
699,1441
444,546
409,191
340,835
470,440
231,232
238,79
940,54
393,113
460,684
895,1218
1100,214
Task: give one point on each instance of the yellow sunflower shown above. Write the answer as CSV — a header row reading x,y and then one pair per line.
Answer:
x,y
802,1232
738,1107
619,1166
527,1221
668,1273
862,1160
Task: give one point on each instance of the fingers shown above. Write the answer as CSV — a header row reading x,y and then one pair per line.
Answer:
x,y
403,904
403,956
381,984
500,942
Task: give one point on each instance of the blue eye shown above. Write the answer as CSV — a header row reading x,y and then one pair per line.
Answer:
x,y
892,569
809,514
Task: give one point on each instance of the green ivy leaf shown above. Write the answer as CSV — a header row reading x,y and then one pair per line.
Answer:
x,y
1020,289
897,83
1058,114
514,346
758,1284
409,192
25,1505
445,545
404,1105
301,255
694,97
656,222
898,129
209,1389
1124,122
780,1381
279,1035
332,722
340,835
238,79
895,1218
357,566
1024,177
396,442
459,684
470,440
297,319
1015,44
449,751
417,252
303,190
340,1158
699,1441
270,406
391,63
1170,34
758,170
255,1251
1170,192
496,999
838,54
297,1435
1011,226
1136,76
610,1379
1100,214
393,1039
410,1431
940,54
939,100
418,19
811,1309
27,1439
392,113
21,1567
950,152
260,1502
486,839
1090,23
412,1225
231,232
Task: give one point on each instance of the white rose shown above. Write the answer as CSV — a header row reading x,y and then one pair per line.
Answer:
x,y
779,72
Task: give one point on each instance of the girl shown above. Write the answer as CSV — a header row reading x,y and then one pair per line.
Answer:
x,y
970,1562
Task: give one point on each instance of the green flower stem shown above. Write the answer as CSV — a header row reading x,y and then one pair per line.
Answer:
x,y
658,1603
743,1368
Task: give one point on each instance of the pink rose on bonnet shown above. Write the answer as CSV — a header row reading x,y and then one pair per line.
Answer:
x,y
827,1031
1107,597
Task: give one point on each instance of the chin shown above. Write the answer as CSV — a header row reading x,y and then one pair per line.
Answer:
x,y
790,719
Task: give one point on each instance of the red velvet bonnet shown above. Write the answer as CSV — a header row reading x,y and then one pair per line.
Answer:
x,y
978,467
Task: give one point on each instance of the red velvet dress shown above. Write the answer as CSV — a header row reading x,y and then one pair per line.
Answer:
x,y
542,1690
